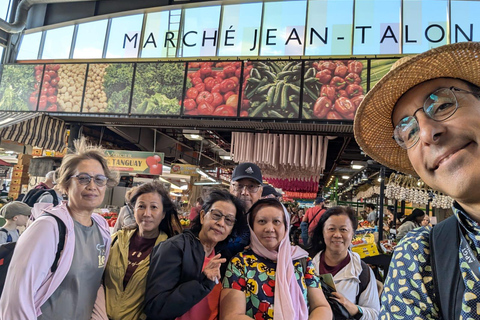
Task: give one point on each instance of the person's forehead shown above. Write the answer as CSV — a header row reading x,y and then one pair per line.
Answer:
x,y
246,181
415,96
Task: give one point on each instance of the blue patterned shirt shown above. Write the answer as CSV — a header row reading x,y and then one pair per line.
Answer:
x,y
409,288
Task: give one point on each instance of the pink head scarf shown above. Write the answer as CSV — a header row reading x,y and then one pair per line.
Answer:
x,y
289,303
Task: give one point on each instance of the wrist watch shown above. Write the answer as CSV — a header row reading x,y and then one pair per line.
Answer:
x,y
359,315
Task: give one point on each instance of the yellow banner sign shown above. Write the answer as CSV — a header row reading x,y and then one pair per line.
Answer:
x,y
135,161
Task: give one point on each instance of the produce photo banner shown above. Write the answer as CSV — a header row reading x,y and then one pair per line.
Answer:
x,y
278,89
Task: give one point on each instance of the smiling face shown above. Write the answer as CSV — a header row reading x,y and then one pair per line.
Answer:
x,y
446,155
149,213
86,197
215,231
269,227
338,234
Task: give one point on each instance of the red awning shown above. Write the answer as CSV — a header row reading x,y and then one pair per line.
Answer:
x,y
5,164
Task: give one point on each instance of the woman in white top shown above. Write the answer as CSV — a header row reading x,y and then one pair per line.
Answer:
x,y
331,241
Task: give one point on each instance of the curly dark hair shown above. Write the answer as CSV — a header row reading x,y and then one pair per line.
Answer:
x,y
318,242
222,195
170,223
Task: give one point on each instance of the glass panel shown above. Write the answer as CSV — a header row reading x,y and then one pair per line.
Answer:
x,y
377,27
333,89
215,89
161,34
425,25
29,46
4,5
158,88
124,37
200,32
90,40
272,89
464,21
329,27
1,53
63,86
240,31
283,31
108,88
57,43
19,87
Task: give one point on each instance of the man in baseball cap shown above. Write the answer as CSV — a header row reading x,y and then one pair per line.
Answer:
x,y
246,183
423,118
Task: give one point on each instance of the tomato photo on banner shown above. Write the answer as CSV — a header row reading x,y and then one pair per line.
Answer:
x,y
333,89
212,89
271,89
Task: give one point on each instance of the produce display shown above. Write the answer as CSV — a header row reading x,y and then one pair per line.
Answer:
x,y
271,89
378,68
333,89
111,218
158,88
63,85
108,88
212,89
20,87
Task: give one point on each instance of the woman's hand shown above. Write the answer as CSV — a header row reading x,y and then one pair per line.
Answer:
x,y
351,307
212,269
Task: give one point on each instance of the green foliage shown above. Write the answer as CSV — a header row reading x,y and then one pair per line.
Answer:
x,y
162,78
118,85
16,86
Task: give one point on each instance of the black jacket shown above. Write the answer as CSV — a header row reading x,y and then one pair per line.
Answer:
x,y
175,282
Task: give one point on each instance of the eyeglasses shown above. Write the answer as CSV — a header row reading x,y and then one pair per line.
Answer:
x,y
252,188
84,179
438,106
217,216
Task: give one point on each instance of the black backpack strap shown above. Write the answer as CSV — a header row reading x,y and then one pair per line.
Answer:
x,y
447,279
364,280
61,242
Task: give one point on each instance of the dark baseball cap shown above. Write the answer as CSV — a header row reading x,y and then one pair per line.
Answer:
x,y
319,200
247,170
268,190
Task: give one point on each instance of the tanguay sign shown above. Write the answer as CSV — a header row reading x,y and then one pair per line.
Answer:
x,y
287,28
135,161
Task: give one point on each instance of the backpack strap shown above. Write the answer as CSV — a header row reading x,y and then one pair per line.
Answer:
x,y
61,241
447,279
364,280
9,236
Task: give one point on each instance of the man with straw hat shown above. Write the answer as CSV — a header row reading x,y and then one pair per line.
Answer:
x,y
423,118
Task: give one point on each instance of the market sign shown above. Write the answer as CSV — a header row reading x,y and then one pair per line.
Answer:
x,y
135,161
273,28
185,169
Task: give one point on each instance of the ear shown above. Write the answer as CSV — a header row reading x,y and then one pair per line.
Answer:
x,y
202,216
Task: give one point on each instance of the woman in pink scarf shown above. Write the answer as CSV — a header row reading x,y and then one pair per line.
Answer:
x,y
268,280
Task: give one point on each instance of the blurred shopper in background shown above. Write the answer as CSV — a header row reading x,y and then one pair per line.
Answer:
x,y
125,216
412,221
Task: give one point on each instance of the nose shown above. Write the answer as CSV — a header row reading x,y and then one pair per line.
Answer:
x,y
430,130
91,184
244,190
148,212
221,221
269,227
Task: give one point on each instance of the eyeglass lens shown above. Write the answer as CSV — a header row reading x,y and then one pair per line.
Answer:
x,y
84,178
217,215
439,106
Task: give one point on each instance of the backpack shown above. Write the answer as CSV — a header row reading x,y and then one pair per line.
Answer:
x,y
447,279
33,195
9,236
7,249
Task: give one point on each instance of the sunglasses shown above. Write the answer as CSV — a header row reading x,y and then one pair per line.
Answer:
x,y
438,106
84,179
217,216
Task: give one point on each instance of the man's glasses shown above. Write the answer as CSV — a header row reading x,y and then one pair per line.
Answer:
x,y
84,179
217,216
438,106
252,188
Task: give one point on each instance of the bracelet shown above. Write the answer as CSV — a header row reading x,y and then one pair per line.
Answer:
x,y
359,315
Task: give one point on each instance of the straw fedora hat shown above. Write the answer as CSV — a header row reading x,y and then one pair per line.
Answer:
x,y
373,125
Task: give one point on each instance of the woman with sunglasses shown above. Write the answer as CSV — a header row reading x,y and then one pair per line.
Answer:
x,y
126,273
33,288
185,271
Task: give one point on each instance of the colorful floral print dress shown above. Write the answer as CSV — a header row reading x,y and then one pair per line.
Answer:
x,y
255,276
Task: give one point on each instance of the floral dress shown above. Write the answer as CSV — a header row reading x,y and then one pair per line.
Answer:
x,y
256,277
